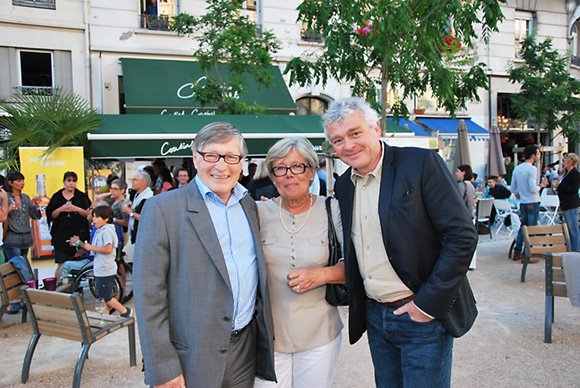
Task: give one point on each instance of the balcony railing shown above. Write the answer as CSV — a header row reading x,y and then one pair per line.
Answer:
x,y
47,4
159,23
574,60
311,36
34,90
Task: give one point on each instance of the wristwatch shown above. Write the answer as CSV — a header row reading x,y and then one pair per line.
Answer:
x,y
131,215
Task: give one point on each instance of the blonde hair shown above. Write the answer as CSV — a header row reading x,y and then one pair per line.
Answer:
x,y
573,157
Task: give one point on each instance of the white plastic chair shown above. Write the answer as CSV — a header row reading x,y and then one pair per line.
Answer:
x,y
483,212
504,210
549,205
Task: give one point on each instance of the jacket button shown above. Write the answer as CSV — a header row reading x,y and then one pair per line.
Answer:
x,y
227,319
223,350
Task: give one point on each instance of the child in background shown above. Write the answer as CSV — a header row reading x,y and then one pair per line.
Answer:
x,y
104,246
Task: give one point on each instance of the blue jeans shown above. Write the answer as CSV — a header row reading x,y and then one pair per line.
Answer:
x,y
529,214
407,353
571,218
12,252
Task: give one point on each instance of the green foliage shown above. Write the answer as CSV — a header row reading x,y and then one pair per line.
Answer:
x,y
62,119
548,91
398,44
226,37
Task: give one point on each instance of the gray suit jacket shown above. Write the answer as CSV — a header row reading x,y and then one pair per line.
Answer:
x,y
183,296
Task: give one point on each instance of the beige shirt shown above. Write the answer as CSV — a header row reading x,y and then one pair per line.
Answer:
x,y
380,279
301,321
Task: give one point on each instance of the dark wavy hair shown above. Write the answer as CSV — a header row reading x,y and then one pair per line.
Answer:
x,y
11,177
466,168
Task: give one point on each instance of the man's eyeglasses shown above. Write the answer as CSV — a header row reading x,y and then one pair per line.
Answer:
x,y
212,157
296,169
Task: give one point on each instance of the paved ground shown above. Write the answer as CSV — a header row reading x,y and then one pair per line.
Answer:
x,y
505,348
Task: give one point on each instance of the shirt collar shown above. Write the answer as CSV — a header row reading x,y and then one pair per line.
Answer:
x,y
376,173
238,192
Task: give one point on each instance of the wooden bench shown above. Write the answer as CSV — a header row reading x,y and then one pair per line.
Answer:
x,y
542,239
10,283
555,286
63,315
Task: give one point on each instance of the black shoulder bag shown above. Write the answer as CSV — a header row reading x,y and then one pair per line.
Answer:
x,y
336,294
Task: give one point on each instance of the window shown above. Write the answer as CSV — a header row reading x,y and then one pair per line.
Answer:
x,y
523,28
251,11
307,35
507,118
310,106
47,4
157,14
36,72
574,45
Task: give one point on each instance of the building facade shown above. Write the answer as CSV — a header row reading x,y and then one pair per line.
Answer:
x,y
81,45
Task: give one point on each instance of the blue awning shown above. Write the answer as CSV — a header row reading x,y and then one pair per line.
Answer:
x,y
412,127
449,126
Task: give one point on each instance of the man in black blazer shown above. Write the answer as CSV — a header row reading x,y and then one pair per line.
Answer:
x,y
409,239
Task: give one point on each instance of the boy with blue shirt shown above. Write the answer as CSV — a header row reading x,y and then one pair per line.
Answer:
x,y
104,246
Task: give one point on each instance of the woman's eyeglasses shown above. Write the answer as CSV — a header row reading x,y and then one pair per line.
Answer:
x,y
297,169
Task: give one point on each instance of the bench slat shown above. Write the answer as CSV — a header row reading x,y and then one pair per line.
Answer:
x,y
60,330
547,240
55,314
560,290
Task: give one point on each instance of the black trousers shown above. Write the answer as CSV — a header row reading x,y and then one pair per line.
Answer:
x,y
241,364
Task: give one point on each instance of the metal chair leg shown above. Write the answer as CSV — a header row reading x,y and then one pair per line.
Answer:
x,y
132,355
524,267
24,308
28,358
511,251
549,319
80,364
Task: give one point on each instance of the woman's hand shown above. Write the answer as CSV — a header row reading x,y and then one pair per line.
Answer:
x,y
303,280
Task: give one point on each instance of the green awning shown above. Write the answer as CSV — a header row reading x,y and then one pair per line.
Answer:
x,y
161,136
155,86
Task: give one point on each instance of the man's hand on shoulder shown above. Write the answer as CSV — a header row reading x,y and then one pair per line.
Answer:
x,y
415,314
178,382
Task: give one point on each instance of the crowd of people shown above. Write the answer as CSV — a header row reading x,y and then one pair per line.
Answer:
x,y
231,271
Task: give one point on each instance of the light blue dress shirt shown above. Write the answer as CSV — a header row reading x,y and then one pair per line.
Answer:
x,y
237,243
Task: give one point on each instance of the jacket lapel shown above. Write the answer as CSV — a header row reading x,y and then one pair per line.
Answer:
x,y
386,190
203,225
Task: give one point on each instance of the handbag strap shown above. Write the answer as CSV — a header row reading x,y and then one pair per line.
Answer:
x,y
333,243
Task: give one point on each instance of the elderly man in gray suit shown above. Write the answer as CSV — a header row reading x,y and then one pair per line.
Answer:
x,y
200,280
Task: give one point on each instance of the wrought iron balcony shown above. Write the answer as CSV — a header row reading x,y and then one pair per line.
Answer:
x,y
47,4
34,90
159,23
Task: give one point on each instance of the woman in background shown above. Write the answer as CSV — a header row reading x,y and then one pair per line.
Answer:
x,y
569,201
67,214
464,175
18,233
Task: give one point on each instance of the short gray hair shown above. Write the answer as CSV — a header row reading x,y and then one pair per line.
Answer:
x,y
122,184
342,109
283,148
218,132
146,177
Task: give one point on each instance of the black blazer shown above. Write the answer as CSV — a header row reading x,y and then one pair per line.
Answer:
x,y
428,234
568,190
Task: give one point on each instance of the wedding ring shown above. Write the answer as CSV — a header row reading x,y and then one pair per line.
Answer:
x,y
298,289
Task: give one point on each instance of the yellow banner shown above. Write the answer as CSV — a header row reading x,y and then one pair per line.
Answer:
x,y
53,166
